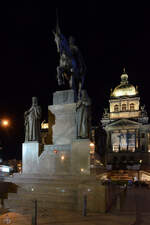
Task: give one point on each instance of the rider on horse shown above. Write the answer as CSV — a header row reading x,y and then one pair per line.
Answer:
x,y
71,65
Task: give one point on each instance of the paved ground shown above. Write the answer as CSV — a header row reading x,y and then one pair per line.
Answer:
x,y
133,208
136,202
68,218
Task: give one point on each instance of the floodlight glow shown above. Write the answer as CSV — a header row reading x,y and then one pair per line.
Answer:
x,y
92,144
5,123
62,157
5,169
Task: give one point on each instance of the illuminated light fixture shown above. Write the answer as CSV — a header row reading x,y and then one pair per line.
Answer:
x,y
82,170
4,123
140,160
62,157
32,189
149,150
44,125
92,144
55,151
5,169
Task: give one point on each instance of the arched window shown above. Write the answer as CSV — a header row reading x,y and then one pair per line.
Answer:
x,y
123,107
116,108
132,107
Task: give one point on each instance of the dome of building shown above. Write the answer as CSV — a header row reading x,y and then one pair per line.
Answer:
x,y
124,88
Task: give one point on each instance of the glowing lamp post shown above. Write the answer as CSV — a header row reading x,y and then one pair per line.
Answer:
x,y
92,148
55,151
4,123
92,151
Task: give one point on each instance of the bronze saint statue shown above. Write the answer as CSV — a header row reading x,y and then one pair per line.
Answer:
x,y
32,122
83,116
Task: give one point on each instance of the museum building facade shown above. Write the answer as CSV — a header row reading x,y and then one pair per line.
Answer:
x,y
126,126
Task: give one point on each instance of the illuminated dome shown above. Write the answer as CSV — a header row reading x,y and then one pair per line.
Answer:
x,y
124,88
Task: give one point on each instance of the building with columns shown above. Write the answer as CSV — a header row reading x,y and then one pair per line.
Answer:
x,y
126,126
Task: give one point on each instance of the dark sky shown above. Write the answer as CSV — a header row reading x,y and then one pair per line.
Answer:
x,y
109,36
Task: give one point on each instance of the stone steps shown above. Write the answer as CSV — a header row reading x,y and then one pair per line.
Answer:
x,y
48,197
48,189
28,205
55,193
49,177
38,181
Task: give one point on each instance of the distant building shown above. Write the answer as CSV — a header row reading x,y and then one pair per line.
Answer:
x,y
127,129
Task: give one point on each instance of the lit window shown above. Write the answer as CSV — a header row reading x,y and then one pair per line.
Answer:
x,y
131,107
123,107
116,108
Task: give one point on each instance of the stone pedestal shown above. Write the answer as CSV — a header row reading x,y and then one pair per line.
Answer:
x,y
55,160
63,97
64,129
30,153
62,118
80,157
65,155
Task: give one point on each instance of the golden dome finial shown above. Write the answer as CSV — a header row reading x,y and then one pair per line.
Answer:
x,y
124,77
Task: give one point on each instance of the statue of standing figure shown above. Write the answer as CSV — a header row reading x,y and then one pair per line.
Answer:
x,y
71,64
83,116
32,122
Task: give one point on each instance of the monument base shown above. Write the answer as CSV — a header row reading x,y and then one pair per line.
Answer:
x,y
80,157
30,153
55,192
69,159
64,155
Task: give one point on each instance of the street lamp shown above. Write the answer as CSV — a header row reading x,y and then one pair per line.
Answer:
x,y
92,152
4,123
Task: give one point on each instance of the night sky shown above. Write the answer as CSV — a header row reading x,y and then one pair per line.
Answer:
x,y
109,36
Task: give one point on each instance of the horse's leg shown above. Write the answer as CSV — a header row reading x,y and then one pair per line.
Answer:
x,y
75,88
79,89
81,85
82,82
70,82
60,78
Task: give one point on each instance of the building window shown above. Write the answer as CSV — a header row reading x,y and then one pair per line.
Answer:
x,y
123,140
116,108
123,107
131,140
131,107
115,141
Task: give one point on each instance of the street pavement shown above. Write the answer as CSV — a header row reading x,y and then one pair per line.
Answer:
x,y
132,208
